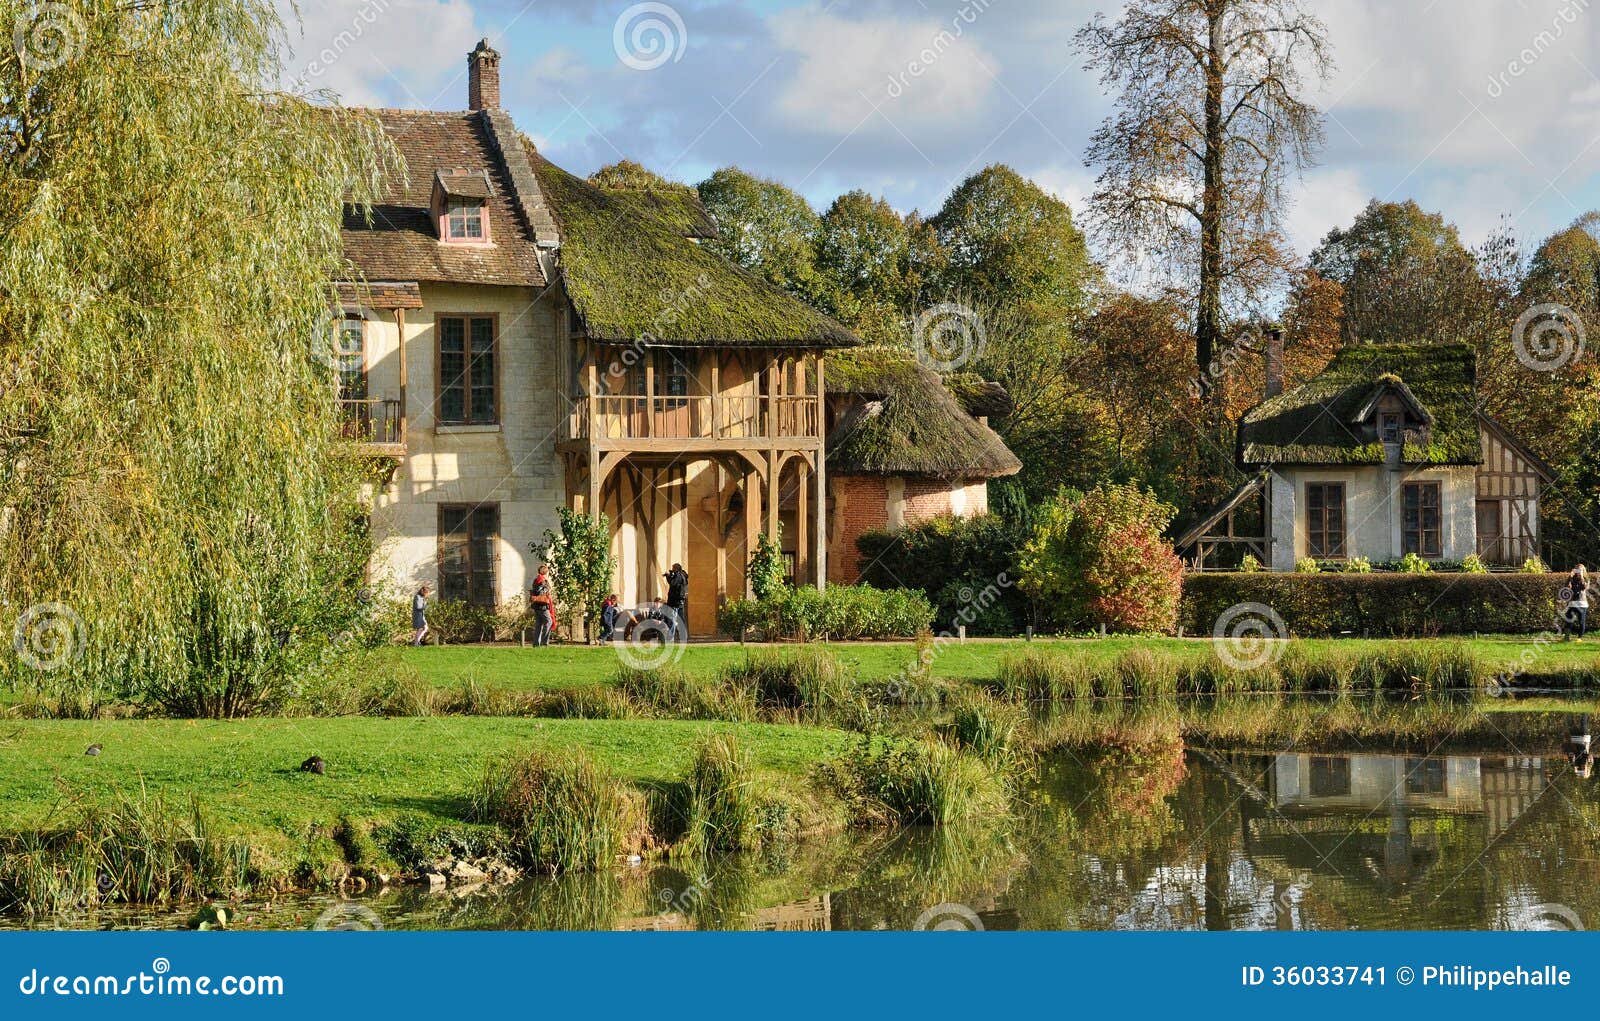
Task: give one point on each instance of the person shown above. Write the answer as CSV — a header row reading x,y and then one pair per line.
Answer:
x,y
677,581
1578,600
608,618
543,605
419,615
1578,743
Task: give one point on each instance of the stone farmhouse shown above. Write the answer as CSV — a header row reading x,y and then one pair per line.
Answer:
x,y
514,340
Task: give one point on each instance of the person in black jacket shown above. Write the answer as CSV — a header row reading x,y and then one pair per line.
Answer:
x,y
677,581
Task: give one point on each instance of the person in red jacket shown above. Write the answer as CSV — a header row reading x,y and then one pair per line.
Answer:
x,y
542,601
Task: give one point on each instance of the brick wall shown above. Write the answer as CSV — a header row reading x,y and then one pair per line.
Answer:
x,y
926,498
857,504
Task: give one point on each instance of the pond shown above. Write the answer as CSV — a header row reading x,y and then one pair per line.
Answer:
x,y
1416,819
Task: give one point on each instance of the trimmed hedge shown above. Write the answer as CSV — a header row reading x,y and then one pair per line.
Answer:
x,y
1397,605
842,613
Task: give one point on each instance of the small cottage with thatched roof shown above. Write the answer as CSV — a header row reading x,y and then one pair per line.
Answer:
x,y
1384,453
904,446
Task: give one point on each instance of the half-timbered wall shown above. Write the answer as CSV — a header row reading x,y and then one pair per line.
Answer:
x,y
1508,503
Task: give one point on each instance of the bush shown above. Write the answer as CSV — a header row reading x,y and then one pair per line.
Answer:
x,y
766,567
1102,559
1358,565
843,612
455,622
561,811
945,556
1473,564
1413,564
1306,565
1533,565
1248,564
910,782
1408,605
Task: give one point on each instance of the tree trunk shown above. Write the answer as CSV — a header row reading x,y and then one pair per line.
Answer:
x,y
1208,321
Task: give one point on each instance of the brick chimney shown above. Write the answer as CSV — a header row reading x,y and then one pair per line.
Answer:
x,y
483,78
1274,361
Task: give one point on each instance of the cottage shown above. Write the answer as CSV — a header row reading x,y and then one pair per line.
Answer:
x,y
1383,453
515,340
905,446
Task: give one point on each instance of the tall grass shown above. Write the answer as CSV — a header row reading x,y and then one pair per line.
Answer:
x,y
720,805
131,849
925,781
561,811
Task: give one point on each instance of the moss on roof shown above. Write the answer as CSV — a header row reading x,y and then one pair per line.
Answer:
x,y
633,274
1315,423
904,421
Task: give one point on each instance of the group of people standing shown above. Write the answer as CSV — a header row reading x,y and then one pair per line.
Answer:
x,y
673,610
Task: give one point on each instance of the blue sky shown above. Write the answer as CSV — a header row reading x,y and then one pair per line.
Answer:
x,y
1480,109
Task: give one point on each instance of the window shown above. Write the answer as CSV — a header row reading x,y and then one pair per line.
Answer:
x,y
467,392
1390,427
467,538
1419,526
672,379
1425,776
464,221
1325,519
1330,777
352,356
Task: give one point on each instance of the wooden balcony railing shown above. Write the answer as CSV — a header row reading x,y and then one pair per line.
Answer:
x,y
371,421
746,417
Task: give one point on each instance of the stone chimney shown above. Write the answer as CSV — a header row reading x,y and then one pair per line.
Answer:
x,y
483,78
1274,361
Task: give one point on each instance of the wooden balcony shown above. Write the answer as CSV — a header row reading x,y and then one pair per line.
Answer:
x,y
373,426
697,422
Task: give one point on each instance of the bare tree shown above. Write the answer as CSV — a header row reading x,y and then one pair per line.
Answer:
x,y
1208,124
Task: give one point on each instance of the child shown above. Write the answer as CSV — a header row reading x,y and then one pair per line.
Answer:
x,y
419,616
608,618
543,605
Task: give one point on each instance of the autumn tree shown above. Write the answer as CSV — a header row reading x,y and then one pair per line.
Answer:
x,y
869,259
1209,125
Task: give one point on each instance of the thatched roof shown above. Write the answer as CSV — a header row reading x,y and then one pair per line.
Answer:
x,y
896,417
980,396
1329,420
634,274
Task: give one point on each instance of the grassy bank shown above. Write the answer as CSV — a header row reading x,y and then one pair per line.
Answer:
x,y
976,661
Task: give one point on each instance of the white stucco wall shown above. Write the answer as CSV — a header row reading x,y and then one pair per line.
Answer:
x,y
1373,510
513,464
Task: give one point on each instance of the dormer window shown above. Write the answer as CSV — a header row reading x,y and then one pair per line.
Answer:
x,y
464,221
1390,424
461,206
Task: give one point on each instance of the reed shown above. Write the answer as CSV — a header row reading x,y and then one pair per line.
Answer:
x,y
561,812
721,806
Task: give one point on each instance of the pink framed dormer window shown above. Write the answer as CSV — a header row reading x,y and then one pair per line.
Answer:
x,y
464,222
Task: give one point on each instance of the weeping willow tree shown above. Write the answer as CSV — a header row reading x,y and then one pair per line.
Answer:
x,y
177,523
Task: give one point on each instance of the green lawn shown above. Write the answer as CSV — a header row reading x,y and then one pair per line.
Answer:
x,y
513,667
246,772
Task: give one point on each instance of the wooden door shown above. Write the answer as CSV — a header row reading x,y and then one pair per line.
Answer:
x,y
1491,533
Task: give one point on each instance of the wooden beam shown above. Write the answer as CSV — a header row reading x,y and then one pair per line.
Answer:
x,y
819,558
400,331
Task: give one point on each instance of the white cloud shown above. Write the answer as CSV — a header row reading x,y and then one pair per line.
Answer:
x,y
920,73
405,53
1326,199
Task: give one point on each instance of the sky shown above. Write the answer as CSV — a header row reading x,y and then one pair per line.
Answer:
x,y
1482,110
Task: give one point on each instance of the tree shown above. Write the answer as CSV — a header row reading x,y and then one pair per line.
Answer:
x,y
764,227
1008,241
1209,123
173,494
864,253
582,565
1405,275
1100,558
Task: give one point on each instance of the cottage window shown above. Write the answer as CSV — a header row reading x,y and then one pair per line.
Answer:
x,y
352,356
467,539
464,221
467,377
1420,519
1390,427
1325,519
672,379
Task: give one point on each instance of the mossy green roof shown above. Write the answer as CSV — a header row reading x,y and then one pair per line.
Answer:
x,y
633,273
903,420
1317,422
